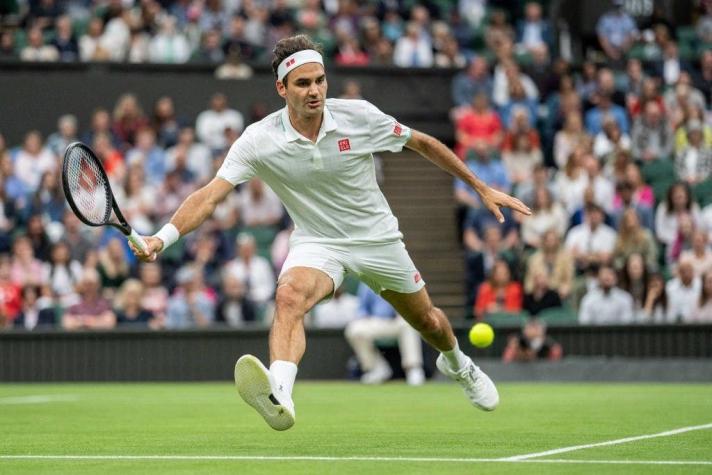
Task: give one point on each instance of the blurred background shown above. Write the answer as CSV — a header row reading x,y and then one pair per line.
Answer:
x,y
594,113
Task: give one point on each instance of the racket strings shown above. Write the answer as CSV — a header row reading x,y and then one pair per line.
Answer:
x,y
87,186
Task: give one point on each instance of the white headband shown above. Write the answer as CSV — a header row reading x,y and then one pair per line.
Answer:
x,y
296,60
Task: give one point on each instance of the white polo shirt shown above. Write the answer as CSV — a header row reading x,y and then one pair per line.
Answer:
x,y
329,187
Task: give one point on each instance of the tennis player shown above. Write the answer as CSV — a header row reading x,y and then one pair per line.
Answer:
x,y
316,154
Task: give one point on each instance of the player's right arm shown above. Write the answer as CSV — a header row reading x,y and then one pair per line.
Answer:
x,y
198,207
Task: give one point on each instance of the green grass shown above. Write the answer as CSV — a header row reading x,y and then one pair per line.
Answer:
x,y
341,420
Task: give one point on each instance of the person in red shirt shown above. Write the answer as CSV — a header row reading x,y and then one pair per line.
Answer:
x,y
10,294
500,293
479,123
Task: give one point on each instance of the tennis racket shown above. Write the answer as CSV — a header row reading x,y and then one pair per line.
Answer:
x,y
89,194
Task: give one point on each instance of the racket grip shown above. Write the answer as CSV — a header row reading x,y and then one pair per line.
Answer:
x,y
138,241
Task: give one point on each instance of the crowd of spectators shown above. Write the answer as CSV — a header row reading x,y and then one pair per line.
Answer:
x,y
615,160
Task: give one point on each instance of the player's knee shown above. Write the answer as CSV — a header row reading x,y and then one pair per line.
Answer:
x,y
290,298
428,322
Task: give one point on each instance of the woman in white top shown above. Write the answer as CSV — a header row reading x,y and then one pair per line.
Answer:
x,y
572,180
546,214
667,216
702,313
567,139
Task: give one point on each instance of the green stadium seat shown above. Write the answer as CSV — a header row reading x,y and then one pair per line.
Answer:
x,y
660,174
506,319
703,192
558,315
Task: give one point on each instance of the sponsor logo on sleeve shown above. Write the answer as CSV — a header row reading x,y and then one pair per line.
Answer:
x,y
397,130
417,277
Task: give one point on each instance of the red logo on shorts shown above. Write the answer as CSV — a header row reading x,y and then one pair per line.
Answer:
x,y
397,129
416,277
344,145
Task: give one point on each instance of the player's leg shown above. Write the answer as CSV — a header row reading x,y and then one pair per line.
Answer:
x,y
432,324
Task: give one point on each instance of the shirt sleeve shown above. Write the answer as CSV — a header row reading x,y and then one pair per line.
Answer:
x,y
238,166
385,132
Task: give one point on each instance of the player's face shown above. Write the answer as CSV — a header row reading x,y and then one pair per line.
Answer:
x,y
305,91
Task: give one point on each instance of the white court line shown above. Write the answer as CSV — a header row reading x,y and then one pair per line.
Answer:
x,y
38,399
607,443
308,458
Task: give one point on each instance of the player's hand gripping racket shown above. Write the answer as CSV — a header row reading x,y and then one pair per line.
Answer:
x,y
89,194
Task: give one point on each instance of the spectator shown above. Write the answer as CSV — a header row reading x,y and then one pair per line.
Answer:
x,y
521,151
233,67
93,311
633,81
236,40
533,32
210,50
616,31
568,138
66,133
554,261
414,49
499,34
91,47
480,123
137,199
8,49
606,304
655,308
337,312
155,296
63,275
377,319
702,313
683,293
471,82
79,237
700,255
450,56
508,78
603,190
169,45
33,161
260,206
692,115
592,242
670,65
610,140
624,200
634,239
190,155
10,294
634,280
546,214
192,304
234,308
165,123
148,156
100,124
648,93
211,124
349,53
36,311
542,296
117,35
703,80
531,344
113,266
572,180
693,163
110,157
26,268
129,309
128,120
642,192
668,213
499,293
255,273
652,136
604,108
173,191
683,240
540,179
48,204
488,168
681,99
36,49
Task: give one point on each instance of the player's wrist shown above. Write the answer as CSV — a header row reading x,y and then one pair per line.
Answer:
x,y
168,235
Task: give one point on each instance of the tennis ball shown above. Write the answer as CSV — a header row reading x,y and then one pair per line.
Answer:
x,y
481,335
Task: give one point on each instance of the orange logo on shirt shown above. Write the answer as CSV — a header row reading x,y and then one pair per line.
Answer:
x,y
344,145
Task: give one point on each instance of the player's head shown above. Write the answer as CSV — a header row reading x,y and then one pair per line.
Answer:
x,y
301,79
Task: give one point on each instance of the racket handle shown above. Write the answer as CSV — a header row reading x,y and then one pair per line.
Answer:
x,y
138,241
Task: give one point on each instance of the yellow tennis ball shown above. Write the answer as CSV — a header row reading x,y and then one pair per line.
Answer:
x,y
481,335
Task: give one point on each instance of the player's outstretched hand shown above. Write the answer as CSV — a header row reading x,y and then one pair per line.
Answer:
x,y
154,246
495,199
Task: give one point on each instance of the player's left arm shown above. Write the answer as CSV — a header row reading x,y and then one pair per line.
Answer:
x,y
438,153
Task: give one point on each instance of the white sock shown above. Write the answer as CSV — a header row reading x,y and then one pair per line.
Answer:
x,y
284,374
456,358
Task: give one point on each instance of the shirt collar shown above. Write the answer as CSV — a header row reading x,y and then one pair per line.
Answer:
x,y
328,124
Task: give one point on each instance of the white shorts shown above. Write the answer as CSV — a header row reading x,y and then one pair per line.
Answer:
x,y
380,266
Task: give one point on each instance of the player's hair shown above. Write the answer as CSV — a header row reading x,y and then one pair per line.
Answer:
x,y
288,46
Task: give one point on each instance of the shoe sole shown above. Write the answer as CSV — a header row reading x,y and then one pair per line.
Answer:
x,y
253,385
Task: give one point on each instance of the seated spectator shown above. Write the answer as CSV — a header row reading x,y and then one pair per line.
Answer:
x,y
210,50
26,268
165,123
531,344
255,273
349,53
633,239
592,242
655,308
91,44
642,193
450,55
606,304
652,135
64,41
234,308
78,237
680,99
336,312
137,199
93,311
233,67
471,82
168,45
376,320
499,293
568,139
488,168
113,267
260,206
648,93
414,49
555,262
190,155
667,215
506,75
700,254
173,192
625,200
616,31
632,82
542,296
63,274
521,159
479,261
703,80
540,179
36,49
604,108
192,304
499,34
100,125
693,163
10,294
8,49
634,278
149,155
129,309
683,240
534,32
693,116
670,65
572,180
546,214
480,123
155,295
610,140
211,124
702,313
128,119
603,189
46,210
66,133
33,160
683,293
36,311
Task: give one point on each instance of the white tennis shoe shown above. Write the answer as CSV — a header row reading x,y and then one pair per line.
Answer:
x,y
257,387
479,388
